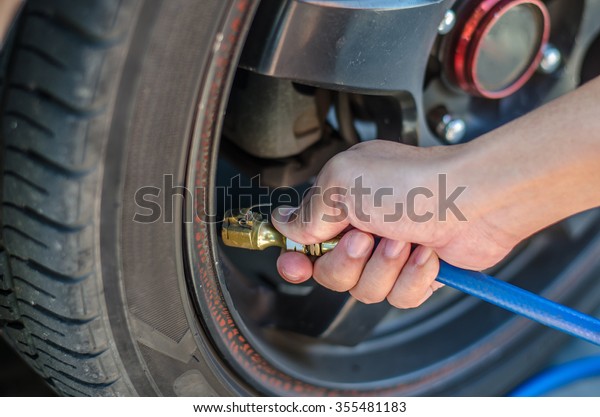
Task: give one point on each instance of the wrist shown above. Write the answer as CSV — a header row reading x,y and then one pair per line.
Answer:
x,y
495,200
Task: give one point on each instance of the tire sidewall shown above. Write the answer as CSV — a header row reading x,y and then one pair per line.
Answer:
x,y
154,326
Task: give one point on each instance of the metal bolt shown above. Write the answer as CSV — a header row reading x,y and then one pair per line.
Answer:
x,y
446,126
447,22
551,59
451,129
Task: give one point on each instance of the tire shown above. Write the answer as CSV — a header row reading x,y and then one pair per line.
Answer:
x,y
103,98
75,81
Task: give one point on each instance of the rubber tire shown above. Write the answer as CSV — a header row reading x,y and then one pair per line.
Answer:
x,y
79,74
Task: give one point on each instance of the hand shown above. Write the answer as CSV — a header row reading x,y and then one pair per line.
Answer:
x,y
520,178
391,271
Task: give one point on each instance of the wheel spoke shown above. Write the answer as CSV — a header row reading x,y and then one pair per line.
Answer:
x,y
360,46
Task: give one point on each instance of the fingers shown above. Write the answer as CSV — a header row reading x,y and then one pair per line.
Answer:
x,y
340,269
416,282
390,272
381,271
294,267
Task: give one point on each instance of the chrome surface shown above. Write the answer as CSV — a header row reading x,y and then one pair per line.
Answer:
x,y
447,23
551,59
359,46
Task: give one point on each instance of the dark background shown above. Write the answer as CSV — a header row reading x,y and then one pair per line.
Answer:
x,y
16,379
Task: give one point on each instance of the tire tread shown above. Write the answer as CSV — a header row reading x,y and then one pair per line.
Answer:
x,y
51,307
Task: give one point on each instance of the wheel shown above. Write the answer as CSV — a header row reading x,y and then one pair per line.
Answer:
x,y
128,127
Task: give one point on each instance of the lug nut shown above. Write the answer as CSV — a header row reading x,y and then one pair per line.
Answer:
x,y
551,59
446,126
447,22
451,129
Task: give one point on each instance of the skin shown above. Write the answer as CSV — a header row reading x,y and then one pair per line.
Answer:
x,y
520,178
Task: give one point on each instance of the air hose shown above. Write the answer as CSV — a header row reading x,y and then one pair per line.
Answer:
x,y
536,308
559,376
522,302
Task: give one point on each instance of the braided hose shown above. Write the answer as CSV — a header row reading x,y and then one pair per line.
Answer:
x,y
522,302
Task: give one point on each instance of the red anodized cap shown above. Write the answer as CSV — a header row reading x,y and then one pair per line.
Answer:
x,y
468,46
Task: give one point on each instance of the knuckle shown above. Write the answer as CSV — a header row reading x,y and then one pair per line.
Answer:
x,y
336,167
360,146
403,302
395,303
371,299
337,286
310,234
414,288
367,297
412,285
413,303
333,281
307,231
416,281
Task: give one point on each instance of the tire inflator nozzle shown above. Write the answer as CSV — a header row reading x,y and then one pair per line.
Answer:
x,y
247,229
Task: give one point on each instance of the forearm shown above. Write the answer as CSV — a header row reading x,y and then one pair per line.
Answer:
x,y
540,168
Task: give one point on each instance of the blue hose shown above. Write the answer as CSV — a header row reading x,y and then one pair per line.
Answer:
x,y
536,308
559,376
522,302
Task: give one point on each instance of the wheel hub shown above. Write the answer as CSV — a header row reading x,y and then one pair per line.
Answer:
x,y
499,46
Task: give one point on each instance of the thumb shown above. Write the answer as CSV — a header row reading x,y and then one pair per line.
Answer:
x,y
312,222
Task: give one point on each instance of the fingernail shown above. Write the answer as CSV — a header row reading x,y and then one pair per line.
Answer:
x,y
393,248
359,245
289,276
423,255
283,214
